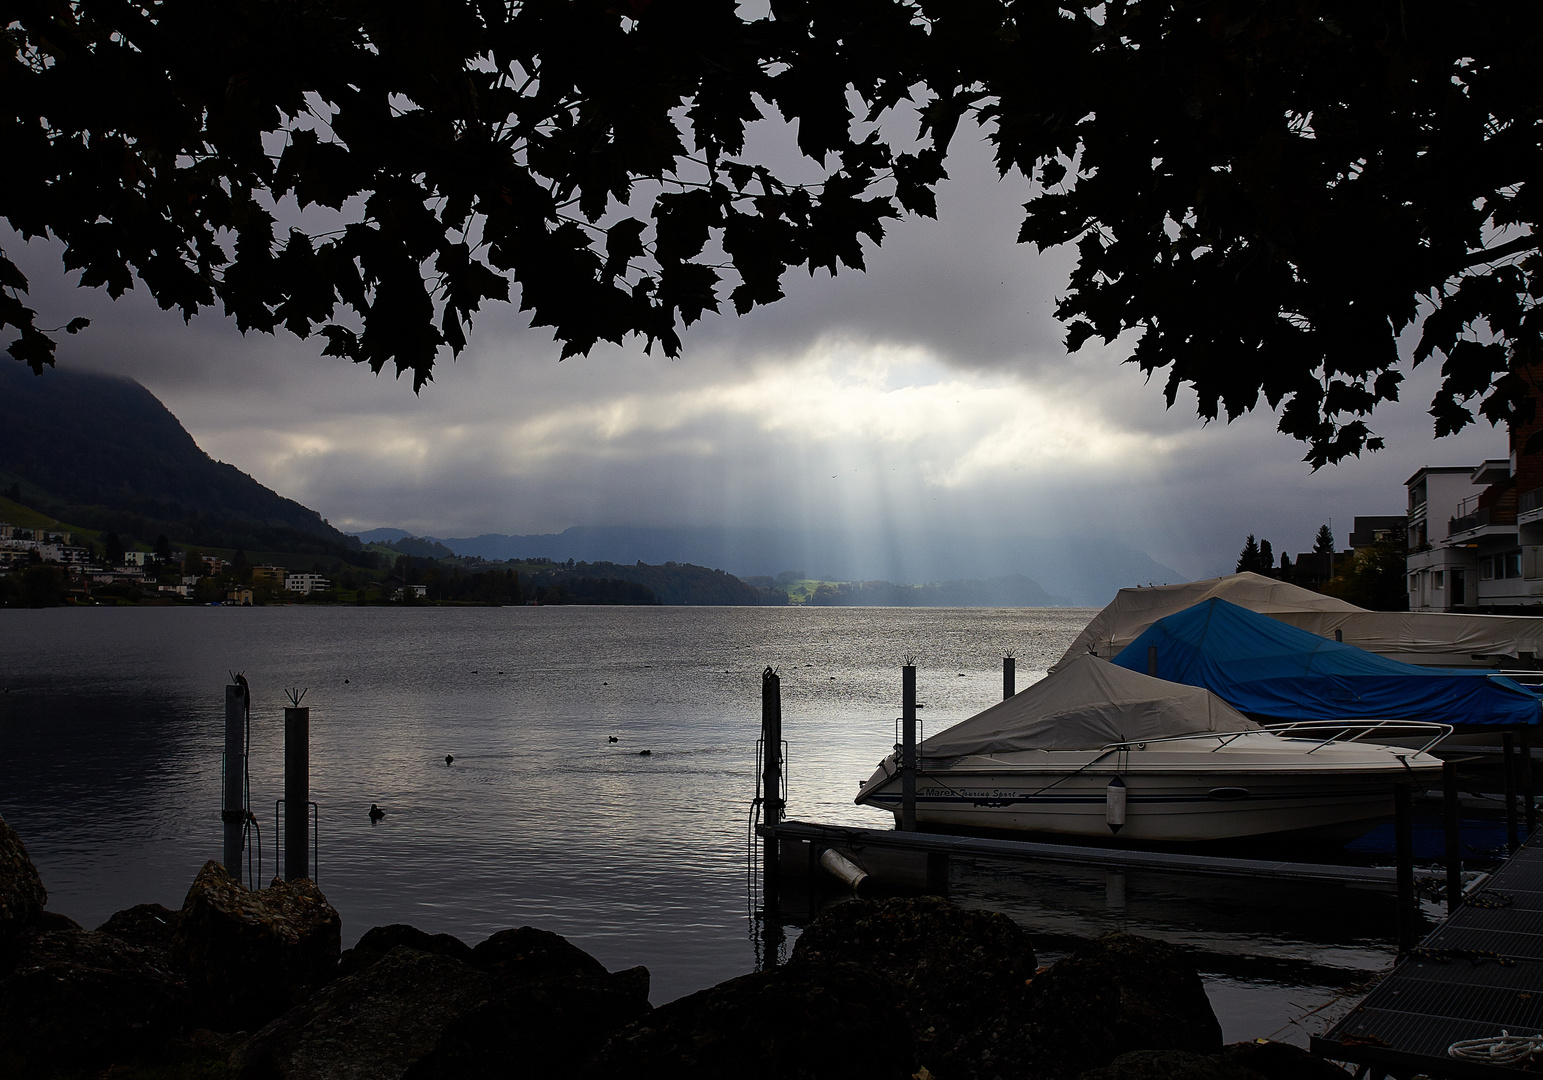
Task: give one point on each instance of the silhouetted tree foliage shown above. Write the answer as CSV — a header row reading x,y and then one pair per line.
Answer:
x,y
1374,579
1323,543
1268,192
1257,557
112,549
42,585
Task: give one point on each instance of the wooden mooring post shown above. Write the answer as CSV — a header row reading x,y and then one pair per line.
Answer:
x,y
771,785
1528,795
1403,843
1508,770
233,801
908,748
1452,828
297,793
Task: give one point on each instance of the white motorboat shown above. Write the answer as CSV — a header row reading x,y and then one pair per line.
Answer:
x,y
1095,750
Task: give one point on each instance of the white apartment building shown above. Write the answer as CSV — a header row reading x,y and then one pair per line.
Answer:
x,y
305,584
1475,538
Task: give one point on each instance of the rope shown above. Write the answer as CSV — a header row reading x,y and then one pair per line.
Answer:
x,y
923,774
1502,1049
1487,898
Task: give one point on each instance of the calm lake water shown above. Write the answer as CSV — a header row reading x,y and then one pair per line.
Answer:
x,y
111,734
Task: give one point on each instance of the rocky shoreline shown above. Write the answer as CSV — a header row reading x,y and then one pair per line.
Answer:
x,y
255,986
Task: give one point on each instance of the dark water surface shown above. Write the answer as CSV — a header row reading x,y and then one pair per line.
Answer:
x,y
111,733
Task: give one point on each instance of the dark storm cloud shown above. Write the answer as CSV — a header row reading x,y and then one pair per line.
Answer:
x,y
903,408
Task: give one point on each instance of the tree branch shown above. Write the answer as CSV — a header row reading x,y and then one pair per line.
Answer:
x,y
1511,247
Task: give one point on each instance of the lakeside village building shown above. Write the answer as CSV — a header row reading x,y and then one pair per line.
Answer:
x,y
18,546
1476,533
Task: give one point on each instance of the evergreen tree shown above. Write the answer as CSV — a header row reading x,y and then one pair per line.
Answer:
x,y
114,549
1324,543
1285,567
1248,559
1266,559
162,549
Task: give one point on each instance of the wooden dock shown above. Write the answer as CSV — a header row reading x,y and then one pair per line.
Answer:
x,y
1478,974
857,840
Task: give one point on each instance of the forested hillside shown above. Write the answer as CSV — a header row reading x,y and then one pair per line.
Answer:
x,y
104,453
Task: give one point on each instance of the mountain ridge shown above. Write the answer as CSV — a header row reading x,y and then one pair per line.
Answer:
x,y
104,452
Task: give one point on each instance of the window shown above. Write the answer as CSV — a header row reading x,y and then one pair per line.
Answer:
x,y
1509,565
1438,579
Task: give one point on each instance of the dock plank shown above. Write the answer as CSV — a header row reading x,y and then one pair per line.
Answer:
x,y
1366,877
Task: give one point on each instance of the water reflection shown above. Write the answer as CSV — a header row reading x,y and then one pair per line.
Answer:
x,y
110,745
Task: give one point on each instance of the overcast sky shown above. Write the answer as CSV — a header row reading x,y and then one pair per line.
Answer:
x,y
932,389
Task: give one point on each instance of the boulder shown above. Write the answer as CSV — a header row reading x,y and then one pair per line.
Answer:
x,y
369,1026
525,954
251,955
22,895
79,1000
547,1027
1119,994
380,940
1171,1065
53,920
948,966
152,925
1282,1061
805,1022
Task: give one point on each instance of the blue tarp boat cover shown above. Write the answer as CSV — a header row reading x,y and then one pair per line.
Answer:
x,y
1269,670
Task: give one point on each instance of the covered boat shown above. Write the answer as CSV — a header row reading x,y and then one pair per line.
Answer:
x,y
1414,637
1272,671
1095,750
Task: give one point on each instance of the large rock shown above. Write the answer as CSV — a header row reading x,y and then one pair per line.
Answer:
x,y
151,925
1171,1065
949,966
22,895
380,940
527,953
81,1000
809,1022
547,1027
1119,994
370,1026
525,1001
1282,1061
251,955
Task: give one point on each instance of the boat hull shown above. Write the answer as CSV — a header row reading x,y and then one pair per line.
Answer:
x,y
1332,806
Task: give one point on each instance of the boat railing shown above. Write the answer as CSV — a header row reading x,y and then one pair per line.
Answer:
x,y
1326,732
1359,730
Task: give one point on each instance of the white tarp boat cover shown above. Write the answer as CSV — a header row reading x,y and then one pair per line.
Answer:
x,y
1427,638
1088,703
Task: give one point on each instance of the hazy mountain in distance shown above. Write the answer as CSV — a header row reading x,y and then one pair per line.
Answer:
x,y
1080,570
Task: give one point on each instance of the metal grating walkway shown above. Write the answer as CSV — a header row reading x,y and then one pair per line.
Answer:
x,y
1453,988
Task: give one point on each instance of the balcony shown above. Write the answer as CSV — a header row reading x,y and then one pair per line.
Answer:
x,y
1530,501
1478,519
